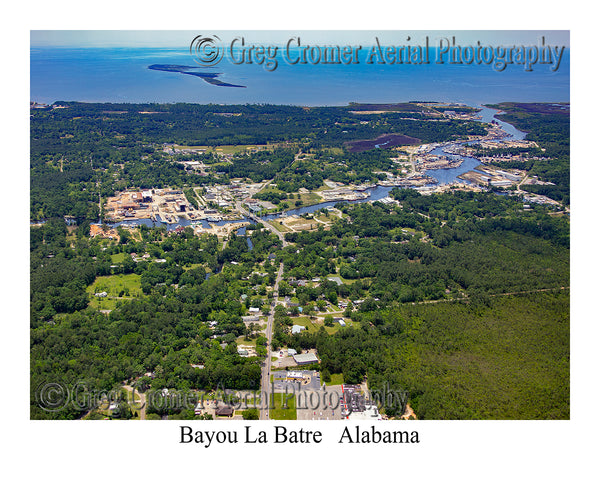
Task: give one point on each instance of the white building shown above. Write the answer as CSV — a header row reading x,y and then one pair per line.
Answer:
x,y
305,358
369,413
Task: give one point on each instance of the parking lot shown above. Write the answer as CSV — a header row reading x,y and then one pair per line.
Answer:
x,y
307,380
324,404
313,401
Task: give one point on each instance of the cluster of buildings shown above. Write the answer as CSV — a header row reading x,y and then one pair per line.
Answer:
x,y
508,144
414,180
489,176
539,199
147,204
306,358
348,194
436,162
219,195
224,196
356,405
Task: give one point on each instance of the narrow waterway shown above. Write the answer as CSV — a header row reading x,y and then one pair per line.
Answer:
x,y
443,176
450,175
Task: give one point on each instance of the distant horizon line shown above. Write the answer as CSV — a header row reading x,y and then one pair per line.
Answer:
x,y
456,103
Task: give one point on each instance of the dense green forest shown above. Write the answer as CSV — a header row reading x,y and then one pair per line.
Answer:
x,y
508,359
191,124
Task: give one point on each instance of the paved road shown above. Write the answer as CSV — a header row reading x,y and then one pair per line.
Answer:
x,y
521,183
265,382
413,164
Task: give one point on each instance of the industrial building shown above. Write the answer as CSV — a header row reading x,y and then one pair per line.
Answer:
x,y
356,406
306,358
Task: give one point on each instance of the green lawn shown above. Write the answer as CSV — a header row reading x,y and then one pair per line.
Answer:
x,y
194,265
279,226
227,149
242,341
310,198
105,303
279,401
119,287
336,326
118,258
331,330
313,326
305,322
327,218
336,379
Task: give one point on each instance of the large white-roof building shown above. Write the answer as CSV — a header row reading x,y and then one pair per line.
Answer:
x,y
305,358
369,413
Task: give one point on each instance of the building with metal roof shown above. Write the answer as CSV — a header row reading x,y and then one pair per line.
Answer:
x,y
305,358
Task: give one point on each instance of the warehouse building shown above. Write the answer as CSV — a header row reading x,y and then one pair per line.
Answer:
x,y
305,358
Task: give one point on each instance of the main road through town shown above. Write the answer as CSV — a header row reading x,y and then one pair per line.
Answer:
x,y
265,382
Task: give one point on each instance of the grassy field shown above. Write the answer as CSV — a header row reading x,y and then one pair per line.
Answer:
x,y
336,326
118,287
336,379
307,198
228,149
310,198
335,150
306,322
302,224
280,227
315,325
118,257
194,265
105,303
327,218
242,341
285,407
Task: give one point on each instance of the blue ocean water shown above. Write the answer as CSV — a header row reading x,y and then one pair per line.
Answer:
x,y
122,75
